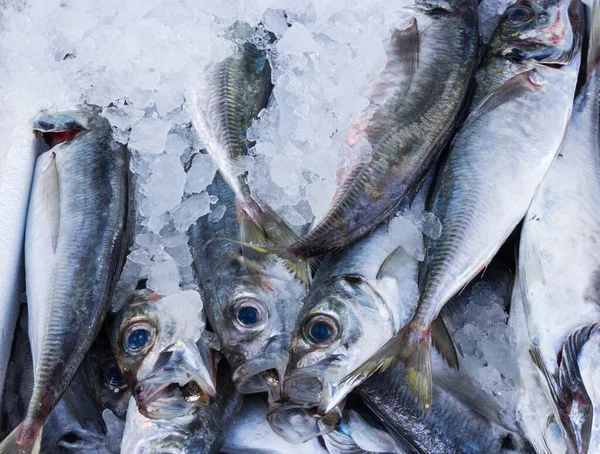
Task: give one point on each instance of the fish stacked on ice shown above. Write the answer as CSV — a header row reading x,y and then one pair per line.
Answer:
x,y
258,220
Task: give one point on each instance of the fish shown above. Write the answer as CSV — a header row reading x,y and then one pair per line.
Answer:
x,y
227,99
203,432
251,434
169,369
253,319
495,163
414,108
78,211
17,161
359,298
562,226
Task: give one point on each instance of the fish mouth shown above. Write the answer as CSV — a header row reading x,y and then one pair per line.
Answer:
x,y
183,379
297,423
263,373
304,387
170,400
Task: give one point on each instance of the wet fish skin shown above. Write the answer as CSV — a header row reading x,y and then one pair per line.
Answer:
x,y
157,342
450,426
479,196
77,212
407,124
229,280
204,432
561,302
17,161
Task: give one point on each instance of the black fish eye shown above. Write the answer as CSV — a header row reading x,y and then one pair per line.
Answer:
x,y
138,337
248,313
519,14
112,377
248,316
321,329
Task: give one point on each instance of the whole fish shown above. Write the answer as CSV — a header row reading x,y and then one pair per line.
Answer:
x,y
252,301
157,343
17,161
414,108
203,432
521,108
228,98
251,434
360,297
73,251
562,227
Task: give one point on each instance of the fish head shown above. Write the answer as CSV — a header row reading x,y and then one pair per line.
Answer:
x,y
546,31
168,367
56,126
341,324
256,317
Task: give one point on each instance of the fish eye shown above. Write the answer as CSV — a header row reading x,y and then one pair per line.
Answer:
x,y
321,330
248,313
519,14
113,378
138,338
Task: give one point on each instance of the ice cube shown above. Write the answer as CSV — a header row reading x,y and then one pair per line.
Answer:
x,y
150,135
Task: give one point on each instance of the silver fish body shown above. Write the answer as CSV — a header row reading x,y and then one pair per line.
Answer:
x,y
559,270
519,116
17,161
73,249
415,105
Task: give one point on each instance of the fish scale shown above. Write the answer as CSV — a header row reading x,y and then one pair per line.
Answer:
x,y
407,130
72,261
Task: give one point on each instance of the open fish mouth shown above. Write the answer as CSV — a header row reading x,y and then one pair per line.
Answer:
x,y
262,374
170,400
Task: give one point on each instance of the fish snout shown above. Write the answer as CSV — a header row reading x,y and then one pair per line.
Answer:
x,y
264,372
184,375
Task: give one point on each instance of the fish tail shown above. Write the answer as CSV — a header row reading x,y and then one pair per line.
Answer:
x,y
567,389
411,346
15,443
262,227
